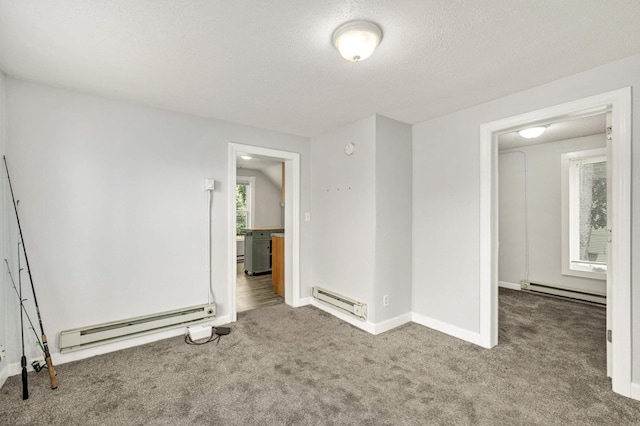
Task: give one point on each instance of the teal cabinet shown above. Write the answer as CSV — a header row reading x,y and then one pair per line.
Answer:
x,y
257,250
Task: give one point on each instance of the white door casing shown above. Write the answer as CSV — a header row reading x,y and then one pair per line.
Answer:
x,y
609,226
619,268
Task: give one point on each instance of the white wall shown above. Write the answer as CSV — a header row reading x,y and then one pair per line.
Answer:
x,y
362,214
446,194
4,294
393,217
343,191
113,207
267,211
543,169
512,262
274,174
445,221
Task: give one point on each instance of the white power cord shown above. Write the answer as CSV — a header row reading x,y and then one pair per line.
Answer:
x,y
209,210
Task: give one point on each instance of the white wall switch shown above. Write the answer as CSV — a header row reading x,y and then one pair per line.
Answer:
x,y
209,184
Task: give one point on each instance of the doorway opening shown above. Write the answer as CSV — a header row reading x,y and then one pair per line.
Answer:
x,y
552,208
618,289
552,219
260,198
284,220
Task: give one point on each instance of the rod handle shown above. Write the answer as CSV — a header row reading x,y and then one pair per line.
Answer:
x,y
25,388
47,359
52,373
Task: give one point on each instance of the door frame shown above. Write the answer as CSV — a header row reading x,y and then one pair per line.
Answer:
x,y
619,271
291,224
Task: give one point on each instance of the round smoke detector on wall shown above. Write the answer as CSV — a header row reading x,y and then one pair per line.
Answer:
x,y
349,148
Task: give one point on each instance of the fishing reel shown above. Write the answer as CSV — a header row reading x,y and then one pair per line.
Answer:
x,y
37,367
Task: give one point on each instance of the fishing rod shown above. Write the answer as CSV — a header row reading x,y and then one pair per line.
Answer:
x,y
45,346
23,360
22,305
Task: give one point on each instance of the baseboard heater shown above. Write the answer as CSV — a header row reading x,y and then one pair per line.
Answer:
x,y
349,306
81,338
582,296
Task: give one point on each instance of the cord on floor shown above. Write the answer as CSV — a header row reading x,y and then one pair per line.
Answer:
x,y
216,334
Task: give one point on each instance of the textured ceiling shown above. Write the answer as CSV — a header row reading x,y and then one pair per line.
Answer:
x,y
271,64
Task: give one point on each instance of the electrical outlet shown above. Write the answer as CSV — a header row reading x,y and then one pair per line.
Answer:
x,y
385,300
1,352
209,185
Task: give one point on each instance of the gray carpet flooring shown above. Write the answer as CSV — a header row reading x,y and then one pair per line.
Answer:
x,y
302,366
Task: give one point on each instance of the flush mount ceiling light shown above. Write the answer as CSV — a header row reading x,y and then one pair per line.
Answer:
x,y
245,157
356,40
532,132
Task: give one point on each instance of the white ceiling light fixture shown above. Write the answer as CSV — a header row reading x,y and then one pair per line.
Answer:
x,y
356,40
245,157
532,132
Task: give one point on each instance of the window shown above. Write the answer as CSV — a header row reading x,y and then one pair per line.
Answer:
x,y
585,213
242,209
244,202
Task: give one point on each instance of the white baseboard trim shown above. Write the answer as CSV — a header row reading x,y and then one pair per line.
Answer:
x,y
635,391
363,325
304,301
451,330
392,323
4,373
58,358
367,326
512,286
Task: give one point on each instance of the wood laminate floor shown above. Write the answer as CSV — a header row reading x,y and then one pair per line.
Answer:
x,y
254,292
